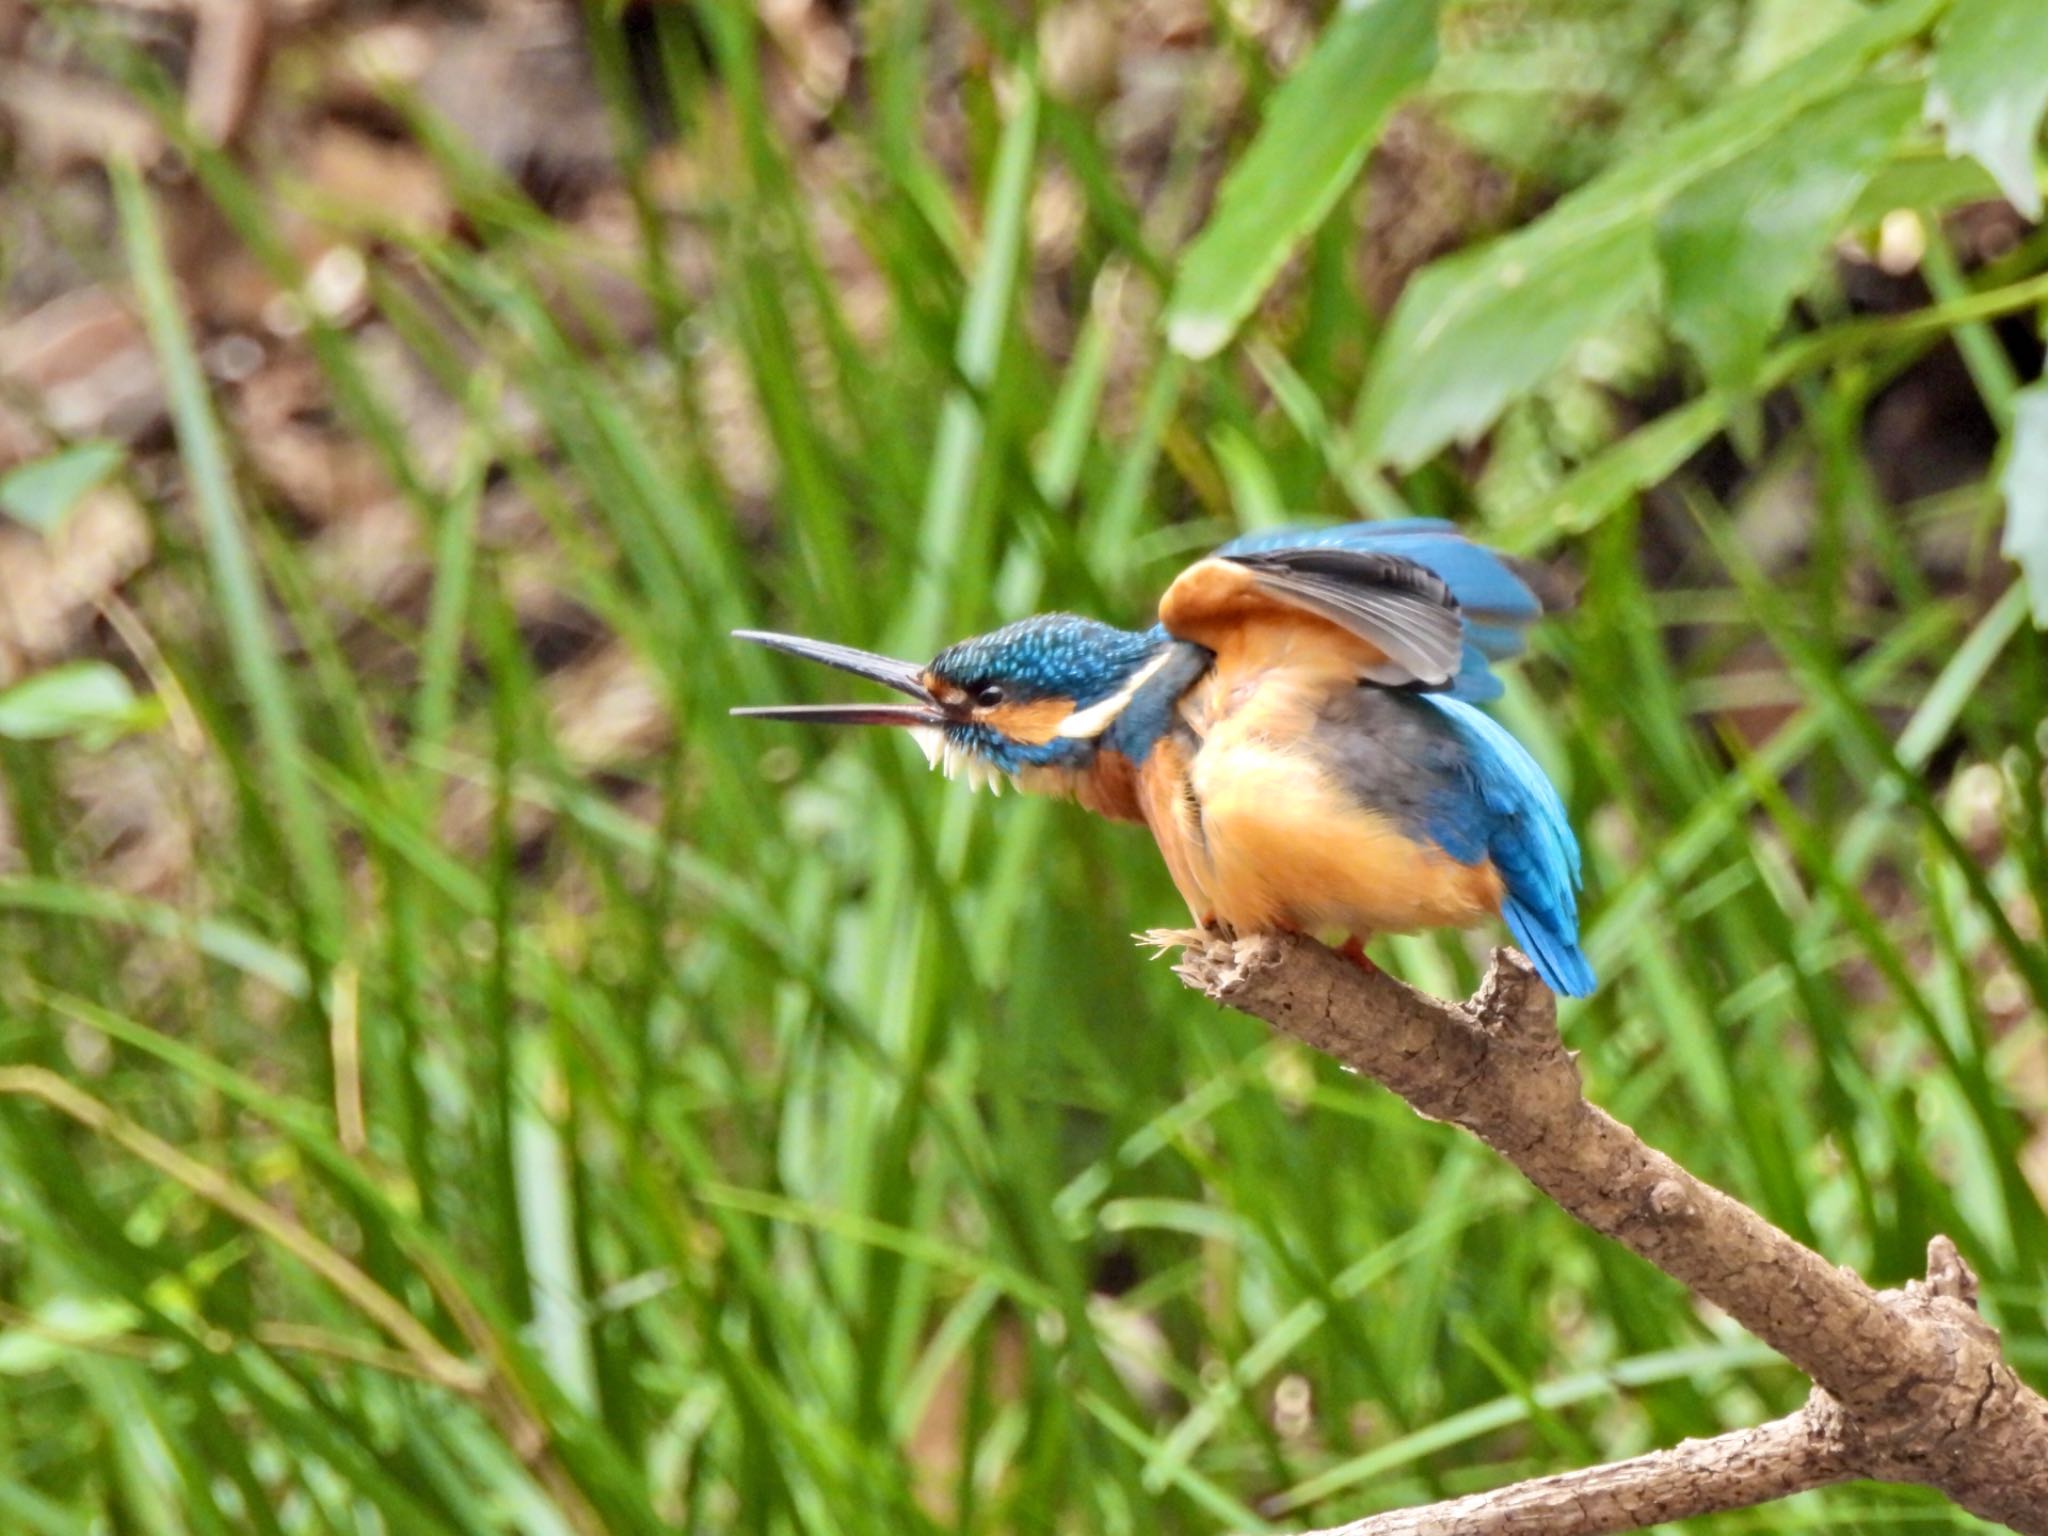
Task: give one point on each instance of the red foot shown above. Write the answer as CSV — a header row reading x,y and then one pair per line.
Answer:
x,y
1353,949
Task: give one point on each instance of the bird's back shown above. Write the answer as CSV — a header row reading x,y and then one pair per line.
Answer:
x,y
1320,775
1498,596
1297,798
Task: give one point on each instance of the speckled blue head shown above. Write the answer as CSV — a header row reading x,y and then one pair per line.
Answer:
x,y
1045,692
1041,692
1047,656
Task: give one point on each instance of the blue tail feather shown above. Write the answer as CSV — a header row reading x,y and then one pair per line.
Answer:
x,y
1474,681
1555,954
1508,811
1497,641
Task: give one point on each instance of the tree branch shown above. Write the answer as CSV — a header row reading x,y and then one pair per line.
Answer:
x,y
1700,1477
1912,1384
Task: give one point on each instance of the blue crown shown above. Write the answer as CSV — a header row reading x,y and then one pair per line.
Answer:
x,y
1051,655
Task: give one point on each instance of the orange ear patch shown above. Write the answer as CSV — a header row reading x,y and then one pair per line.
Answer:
x,y
1033,723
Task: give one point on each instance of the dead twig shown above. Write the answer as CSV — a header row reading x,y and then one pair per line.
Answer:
x,y
1911,1385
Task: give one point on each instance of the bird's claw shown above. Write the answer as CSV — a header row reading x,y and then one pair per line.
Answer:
x,y
1353,949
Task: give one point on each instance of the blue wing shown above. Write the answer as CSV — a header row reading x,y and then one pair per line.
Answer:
x,y
1506,810
1494,600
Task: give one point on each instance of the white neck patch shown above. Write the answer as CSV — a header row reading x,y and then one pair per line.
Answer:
x,y
1097,718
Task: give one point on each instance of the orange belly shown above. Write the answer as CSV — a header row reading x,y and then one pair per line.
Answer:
x,y
1256,831
1265,840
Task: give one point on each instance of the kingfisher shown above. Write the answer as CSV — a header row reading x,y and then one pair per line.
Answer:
x,y
1299,732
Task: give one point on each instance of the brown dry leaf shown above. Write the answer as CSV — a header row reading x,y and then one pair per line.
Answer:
x,y
50,586
735,426
60,120
226,71
436,426
375,555
607,709
1426,195
286,426
935,1442
1078,45
361,171
816,50
520,89
131,826
85,363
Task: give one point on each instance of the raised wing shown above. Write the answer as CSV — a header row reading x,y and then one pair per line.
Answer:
x,y
1432,608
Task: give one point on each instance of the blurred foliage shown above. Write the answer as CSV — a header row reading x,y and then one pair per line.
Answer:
x,y
500,1125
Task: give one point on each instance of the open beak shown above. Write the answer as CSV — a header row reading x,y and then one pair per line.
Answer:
x,y
904,676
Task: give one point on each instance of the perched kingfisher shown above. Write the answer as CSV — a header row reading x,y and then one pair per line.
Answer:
x,y
1297,731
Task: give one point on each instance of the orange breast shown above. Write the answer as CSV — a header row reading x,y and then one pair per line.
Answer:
x,y
1108,786
1255,829
1166,799
1285,847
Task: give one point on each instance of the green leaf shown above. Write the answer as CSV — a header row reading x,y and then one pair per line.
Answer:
x,y
1738,245
61,1328
1990,91
87,699
1930,181
1253,491
2025,484
224,533
1485,326
1779,31
42,493
1315,136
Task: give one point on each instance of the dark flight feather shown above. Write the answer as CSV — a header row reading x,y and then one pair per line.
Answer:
x,y
1403,608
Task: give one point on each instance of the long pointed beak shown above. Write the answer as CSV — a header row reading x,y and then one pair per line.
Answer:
x,y
904,676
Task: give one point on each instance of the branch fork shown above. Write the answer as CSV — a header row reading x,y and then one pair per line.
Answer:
x,y
1910,1385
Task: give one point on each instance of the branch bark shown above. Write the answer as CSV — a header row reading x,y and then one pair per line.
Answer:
x,y
1911,1385
1700,1477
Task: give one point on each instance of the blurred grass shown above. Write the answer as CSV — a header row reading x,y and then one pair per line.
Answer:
x,y
759,1136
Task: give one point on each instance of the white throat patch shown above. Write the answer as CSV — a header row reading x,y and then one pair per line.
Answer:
x,y
956,761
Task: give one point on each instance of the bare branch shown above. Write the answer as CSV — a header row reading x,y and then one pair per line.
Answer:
x,y
1700,1477
1914,1387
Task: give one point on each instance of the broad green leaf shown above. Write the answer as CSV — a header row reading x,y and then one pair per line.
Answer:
x,y
1930,181
1536,311
1307,152
42,492
1738,245
88,699
1990,90
1482,327
2025,484
1779,31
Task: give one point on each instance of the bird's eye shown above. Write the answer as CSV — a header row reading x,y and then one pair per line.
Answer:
x,y
988,697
